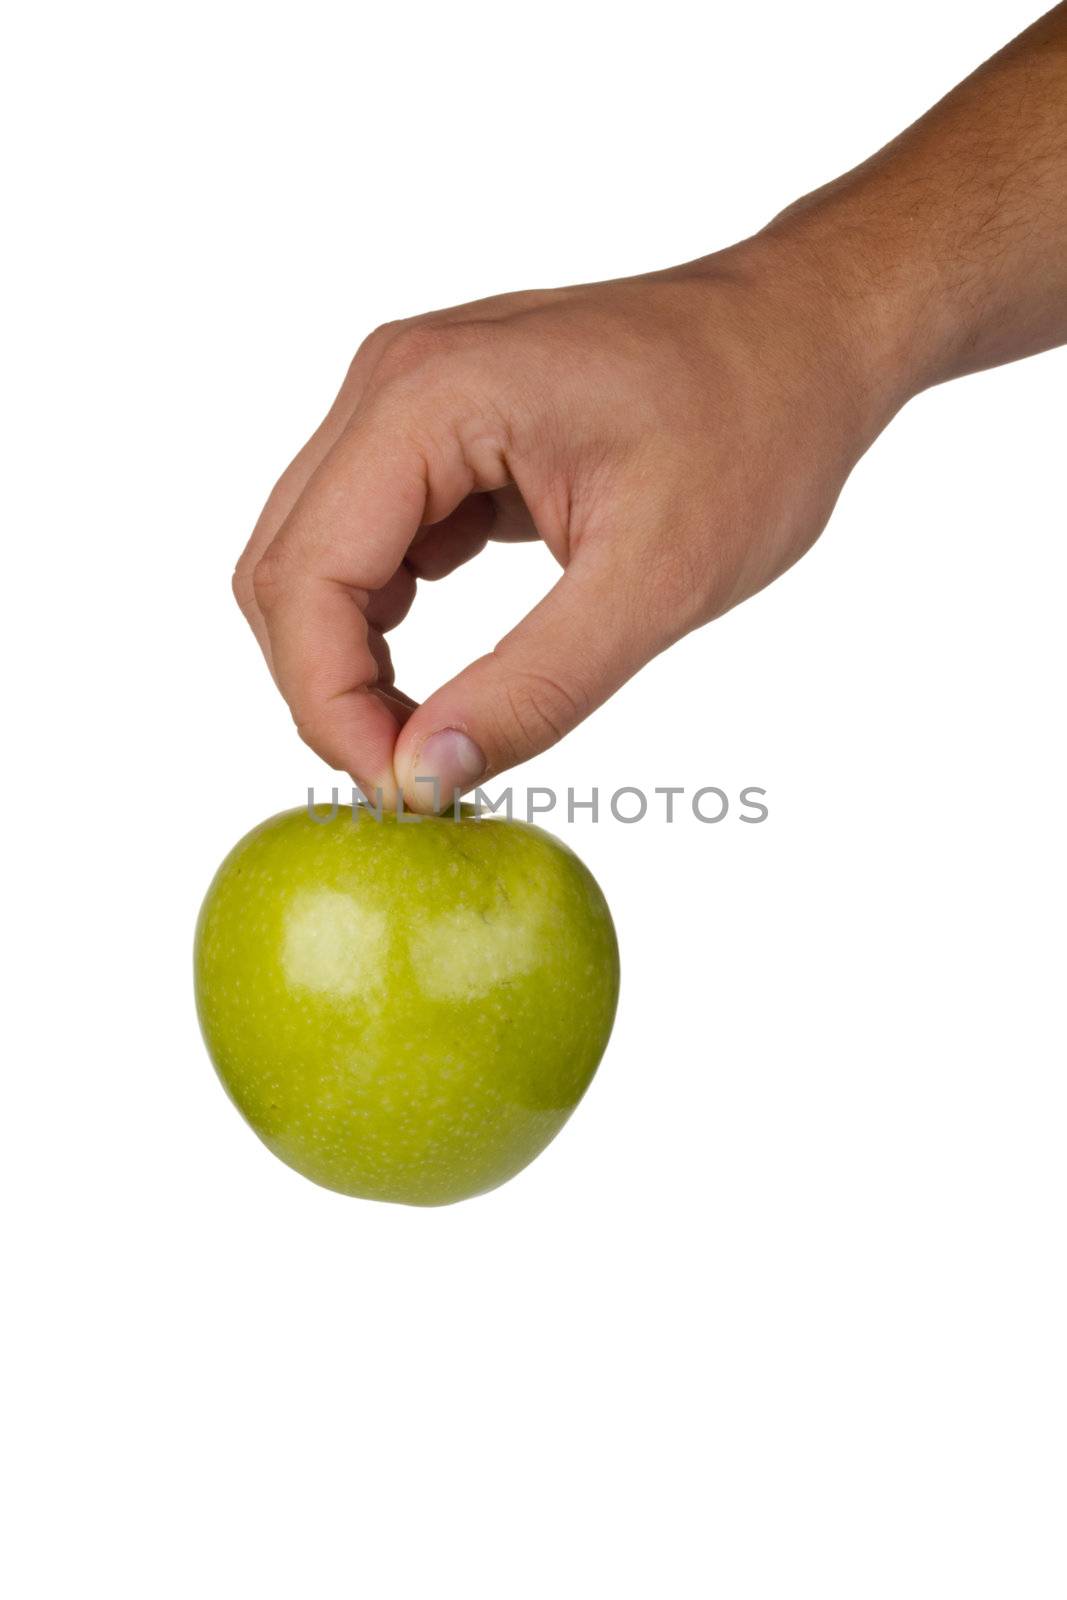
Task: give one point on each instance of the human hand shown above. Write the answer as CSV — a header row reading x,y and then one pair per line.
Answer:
x,y
677,441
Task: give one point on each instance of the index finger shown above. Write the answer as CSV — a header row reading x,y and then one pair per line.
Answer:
x,y
345,538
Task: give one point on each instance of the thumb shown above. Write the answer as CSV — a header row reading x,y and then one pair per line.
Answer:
x,y
562,661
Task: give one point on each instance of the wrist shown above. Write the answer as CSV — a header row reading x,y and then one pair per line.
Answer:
x,y
882,300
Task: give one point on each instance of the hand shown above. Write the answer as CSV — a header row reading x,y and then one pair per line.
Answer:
x,y
677,440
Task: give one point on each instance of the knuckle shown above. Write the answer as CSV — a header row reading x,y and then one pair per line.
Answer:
x,y
672,586
316,729
412,346
309,729
241,584
370,350
266,580
676,588
540,709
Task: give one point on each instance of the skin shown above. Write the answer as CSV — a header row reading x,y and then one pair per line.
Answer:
x,y
406,1011
677,440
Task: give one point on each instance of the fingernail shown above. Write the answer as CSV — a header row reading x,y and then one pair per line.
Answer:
x,y
450,759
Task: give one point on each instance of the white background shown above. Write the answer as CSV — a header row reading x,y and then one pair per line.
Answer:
x,y
782,1312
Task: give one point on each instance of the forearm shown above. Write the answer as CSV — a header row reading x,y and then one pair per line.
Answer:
x,y
950,245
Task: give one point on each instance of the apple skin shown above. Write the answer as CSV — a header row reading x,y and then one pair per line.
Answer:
x,y
405,1010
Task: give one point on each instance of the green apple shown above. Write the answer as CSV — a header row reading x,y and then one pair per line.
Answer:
x,y
405,1009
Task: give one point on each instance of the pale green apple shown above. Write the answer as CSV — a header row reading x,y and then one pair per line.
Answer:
x,y
405,1009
